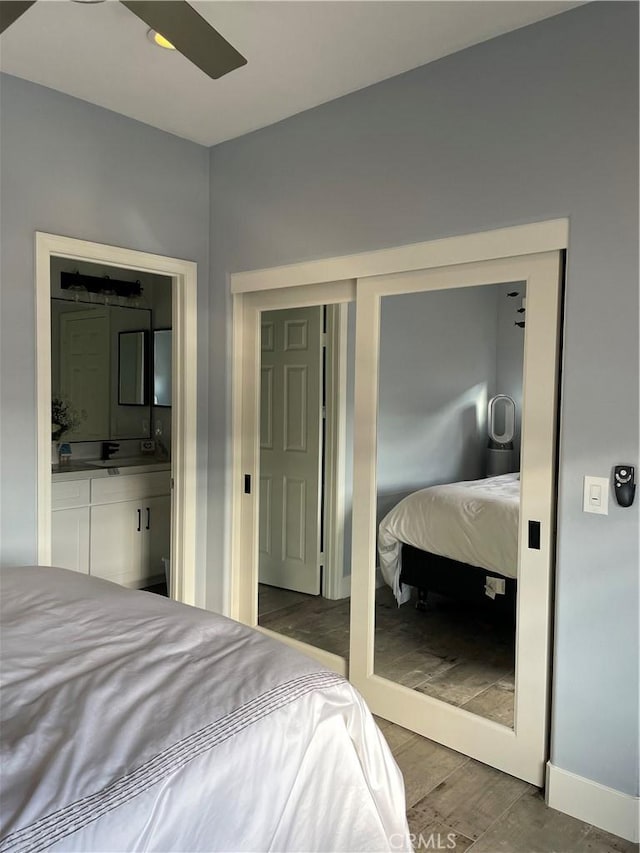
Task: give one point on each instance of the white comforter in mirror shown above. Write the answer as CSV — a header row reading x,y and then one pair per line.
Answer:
x,y
474,522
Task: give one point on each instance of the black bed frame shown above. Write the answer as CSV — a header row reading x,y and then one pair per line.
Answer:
x,y
433,573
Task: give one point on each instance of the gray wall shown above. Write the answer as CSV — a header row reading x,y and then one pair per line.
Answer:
x,y
437,372
70,168
510,352
536,124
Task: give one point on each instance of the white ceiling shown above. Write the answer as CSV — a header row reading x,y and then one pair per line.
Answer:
x,y
300,54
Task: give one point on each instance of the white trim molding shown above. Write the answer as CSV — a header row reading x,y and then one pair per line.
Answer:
x,y
183,413
535,237
328,659
335,449
593,803
345,587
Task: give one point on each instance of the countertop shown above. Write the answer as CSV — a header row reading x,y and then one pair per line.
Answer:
x,y
90,469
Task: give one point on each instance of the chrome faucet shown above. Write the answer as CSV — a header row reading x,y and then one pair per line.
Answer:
x,y
109,448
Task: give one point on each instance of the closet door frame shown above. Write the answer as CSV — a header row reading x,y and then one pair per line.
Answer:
x,y
247,310
318,278
521,751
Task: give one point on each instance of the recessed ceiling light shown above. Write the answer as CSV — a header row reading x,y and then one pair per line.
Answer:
x,y
159,40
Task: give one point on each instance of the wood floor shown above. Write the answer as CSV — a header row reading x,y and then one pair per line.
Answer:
x,y
453,651
453,802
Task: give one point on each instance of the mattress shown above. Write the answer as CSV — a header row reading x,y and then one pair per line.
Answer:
x,y
132,722
473,522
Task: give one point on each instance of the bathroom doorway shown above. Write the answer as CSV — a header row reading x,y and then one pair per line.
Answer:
x,y
111,330
126,323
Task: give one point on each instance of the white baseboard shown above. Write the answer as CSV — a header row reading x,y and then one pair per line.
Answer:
x,y
593,803
345,589
345,586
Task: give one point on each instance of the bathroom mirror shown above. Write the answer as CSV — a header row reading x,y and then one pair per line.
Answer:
x,y
101,356
132,368
88,345
162,367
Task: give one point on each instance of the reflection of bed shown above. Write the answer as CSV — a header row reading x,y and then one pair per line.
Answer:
x,y
131,722
467,530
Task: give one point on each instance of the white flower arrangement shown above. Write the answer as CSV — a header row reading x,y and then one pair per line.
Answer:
x,y
64,418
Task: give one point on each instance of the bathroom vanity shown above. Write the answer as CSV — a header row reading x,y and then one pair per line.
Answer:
x,y
112,520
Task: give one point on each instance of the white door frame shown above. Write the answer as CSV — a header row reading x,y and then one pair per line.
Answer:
x,y
521,751
333,585
184,382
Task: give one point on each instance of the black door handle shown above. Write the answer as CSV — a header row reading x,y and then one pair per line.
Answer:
x,y
148,518
534,535
139,519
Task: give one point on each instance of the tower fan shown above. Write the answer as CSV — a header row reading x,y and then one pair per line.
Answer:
x,y
501,457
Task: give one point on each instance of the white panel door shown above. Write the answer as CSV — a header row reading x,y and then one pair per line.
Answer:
x,y
84,378
290,430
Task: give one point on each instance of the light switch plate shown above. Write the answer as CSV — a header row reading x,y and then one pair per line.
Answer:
x,y
596,495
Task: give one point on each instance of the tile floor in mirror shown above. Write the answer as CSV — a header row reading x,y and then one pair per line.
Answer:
x,y
452,651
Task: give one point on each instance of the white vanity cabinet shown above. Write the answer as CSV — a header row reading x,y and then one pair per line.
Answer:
x,y
70,525
122,532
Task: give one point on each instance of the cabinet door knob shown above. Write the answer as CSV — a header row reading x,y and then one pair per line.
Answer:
x,y
139,519
148,518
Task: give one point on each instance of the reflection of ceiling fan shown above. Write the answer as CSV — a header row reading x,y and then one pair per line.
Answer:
x,y
176,20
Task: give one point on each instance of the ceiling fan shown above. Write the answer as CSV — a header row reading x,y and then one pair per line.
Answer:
x,y
176,20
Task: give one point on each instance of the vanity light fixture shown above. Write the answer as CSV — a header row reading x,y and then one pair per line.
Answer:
x,y
159,40
76,283
78,290
108,294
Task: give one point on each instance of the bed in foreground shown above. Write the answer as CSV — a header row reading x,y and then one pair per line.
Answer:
x,y
130,722
466,531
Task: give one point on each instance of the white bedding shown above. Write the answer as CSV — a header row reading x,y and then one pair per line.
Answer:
x,y
474,522
131,722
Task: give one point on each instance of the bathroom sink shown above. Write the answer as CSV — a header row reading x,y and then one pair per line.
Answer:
x,y
124,462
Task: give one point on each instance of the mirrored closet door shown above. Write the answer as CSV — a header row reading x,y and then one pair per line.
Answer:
x,y
447,495
453,504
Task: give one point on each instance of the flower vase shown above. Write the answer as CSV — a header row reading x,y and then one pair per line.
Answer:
x,y
54,453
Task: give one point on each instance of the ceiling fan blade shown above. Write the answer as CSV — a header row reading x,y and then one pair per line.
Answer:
x,y
10,11
189,33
